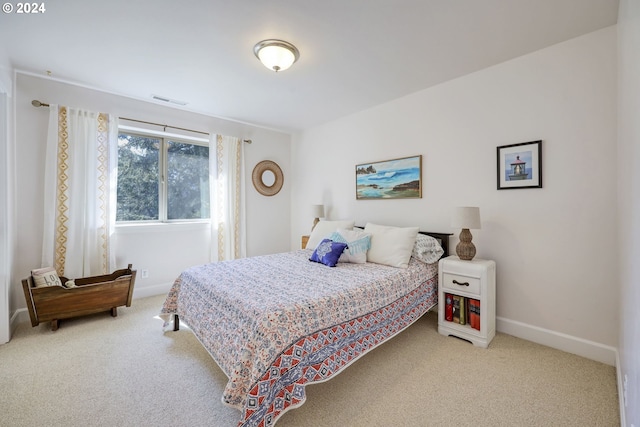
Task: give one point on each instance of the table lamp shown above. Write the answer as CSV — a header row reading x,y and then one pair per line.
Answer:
x,y
466,218
317,212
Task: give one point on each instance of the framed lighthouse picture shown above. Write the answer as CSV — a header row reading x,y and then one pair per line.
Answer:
x,y
520,165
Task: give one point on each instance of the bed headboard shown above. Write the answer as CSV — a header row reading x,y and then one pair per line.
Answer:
x,y
443,238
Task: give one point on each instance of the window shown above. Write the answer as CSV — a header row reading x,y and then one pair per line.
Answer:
x,y
162,179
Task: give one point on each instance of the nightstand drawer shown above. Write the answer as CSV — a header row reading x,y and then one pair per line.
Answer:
x,y
461,283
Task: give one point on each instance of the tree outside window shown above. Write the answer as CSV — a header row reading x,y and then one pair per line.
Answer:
x,y
161,179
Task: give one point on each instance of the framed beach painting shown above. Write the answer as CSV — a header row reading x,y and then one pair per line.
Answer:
x,y
520,165
390,179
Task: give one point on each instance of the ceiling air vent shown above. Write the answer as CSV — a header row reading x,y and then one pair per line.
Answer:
x,y
169,100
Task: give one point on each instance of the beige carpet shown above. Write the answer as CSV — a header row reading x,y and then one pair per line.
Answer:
x,y
125,371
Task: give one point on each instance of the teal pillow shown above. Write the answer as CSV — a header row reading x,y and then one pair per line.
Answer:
x,y
358,243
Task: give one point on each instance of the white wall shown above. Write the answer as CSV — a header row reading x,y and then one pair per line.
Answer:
x,y
554,247
629,205
6,193
163,250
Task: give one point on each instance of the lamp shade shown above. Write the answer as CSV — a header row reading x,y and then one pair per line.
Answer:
x,y
317,211
276,55
466,217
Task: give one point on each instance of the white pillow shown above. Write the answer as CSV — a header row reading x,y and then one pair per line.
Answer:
x,y
427,249
391,245
358,243
323,230
47,276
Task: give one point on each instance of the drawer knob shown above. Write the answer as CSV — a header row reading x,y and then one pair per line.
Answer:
x,y
461,284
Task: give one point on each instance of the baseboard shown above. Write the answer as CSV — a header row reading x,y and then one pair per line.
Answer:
x,y
22,315
621,396
150,291
581,347
19,316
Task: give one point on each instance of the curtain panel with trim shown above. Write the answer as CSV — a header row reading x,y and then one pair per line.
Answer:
x,y
80,192
227,183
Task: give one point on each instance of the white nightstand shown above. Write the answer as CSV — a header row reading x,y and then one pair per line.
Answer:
x,y
475,282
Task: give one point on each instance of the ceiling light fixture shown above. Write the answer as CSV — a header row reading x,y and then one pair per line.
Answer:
x,y
276,55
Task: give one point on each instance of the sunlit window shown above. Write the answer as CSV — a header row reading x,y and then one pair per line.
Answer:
x,y
162,179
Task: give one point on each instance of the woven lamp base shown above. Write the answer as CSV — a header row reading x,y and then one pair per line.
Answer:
x,y
465,249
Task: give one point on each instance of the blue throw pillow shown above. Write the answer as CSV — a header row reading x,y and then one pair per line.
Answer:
x,y
328,252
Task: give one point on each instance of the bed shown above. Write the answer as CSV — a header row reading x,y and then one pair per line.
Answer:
x,y
276,323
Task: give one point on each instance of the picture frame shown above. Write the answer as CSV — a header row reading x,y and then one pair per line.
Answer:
x,y
390,179
519,165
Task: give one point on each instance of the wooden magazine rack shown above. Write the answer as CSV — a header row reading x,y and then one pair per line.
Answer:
x,y
92,295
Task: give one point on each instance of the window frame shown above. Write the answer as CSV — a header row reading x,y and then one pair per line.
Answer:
x,y
163,165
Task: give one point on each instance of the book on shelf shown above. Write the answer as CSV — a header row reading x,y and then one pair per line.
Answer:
x,y
462,310
467,307
474,313
456,308
448,307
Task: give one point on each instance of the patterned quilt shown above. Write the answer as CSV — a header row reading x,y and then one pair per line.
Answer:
x,y
275,323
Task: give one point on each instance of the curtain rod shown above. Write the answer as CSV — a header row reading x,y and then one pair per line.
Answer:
x,y
37,103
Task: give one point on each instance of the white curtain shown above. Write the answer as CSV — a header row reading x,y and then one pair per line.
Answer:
x,y
80,192
226,183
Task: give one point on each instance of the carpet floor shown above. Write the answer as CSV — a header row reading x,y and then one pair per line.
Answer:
x,y
125,371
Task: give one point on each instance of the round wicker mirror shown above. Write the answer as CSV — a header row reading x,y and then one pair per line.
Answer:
x,y
267,178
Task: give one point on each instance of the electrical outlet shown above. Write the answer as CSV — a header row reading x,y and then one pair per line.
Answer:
x,y
145,274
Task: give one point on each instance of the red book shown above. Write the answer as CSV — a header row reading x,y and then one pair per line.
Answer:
x,y
475,313
472,314
448,307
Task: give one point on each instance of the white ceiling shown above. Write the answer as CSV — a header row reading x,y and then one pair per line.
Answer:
x,y
354,54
